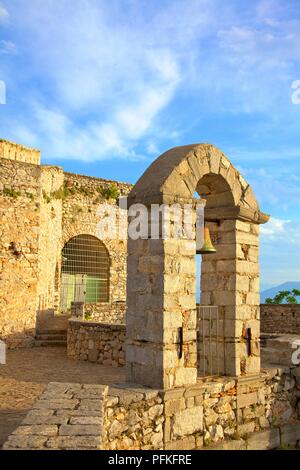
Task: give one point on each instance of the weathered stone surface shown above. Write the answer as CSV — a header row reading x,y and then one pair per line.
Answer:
x,y
25,442
264,440
41,209
73,442
42,430
238,444
62,404
246,399
95,420
283,318
188,421
79,430
187,443
173,406
290,433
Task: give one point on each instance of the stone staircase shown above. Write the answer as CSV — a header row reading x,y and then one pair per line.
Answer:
x,y
51,338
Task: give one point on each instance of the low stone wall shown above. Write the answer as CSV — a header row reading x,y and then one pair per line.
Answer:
x,y
245,413
133,419
280,318
96,342
107,312
251,412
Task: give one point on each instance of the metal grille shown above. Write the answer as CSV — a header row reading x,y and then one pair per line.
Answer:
x,y
85,271
210,340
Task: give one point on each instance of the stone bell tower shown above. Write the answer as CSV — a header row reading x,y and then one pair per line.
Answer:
x,y
161,349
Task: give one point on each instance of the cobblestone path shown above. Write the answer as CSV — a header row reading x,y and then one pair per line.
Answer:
x,y
27,373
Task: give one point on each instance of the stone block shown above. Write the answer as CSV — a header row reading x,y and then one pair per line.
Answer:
x,y
74,442
42,430
187,443
238,444
63,404
290,433
188,421
173,406
247,399
25,442
246,428
79,430
185,376
264,440
95,420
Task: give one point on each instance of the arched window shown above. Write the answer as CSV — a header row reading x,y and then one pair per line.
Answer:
x,y
84,272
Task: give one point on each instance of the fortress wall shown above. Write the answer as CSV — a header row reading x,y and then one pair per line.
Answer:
x,y
12,151
19,242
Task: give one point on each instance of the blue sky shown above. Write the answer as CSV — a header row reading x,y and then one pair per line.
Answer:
x,y
104,87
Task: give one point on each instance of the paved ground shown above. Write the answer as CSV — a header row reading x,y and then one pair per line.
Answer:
x,y
27,373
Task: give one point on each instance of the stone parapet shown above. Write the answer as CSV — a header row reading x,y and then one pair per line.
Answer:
x,y
96,342
20,153
284,318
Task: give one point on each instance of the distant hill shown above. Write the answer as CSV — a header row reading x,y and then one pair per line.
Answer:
x,y
274,290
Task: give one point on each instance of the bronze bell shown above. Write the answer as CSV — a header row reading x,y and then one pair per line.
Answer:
x,y
207,247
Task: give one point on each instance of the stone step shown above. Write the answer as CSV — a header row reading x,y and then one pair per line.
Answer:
x,y
50,343
51,332
44,337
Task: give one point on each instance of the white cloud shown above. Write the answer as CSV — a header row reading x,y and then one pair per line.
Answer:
x,y
111,71
274,228
107,82
3,14
7,47
277,184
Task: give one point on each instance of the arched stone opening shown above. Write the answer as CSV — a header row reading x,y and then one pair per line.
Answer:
x,y
161,284
84,271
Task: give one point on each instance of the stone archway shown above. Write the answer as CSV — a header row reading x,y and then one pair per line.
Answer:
x,y
161,301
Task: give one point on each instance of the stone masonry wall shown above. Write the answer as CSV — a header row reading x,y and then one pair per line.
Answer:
x,y
114,312
246,413
94,342
19,250
230,281
133,419
12,151
258,412
85,195
280,318
50,236
41,208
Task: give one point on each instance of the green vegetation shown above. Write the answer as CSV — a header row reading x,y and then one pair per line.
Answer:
x,y
111,192
285,295
77,209
46,197
10,192
30,196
